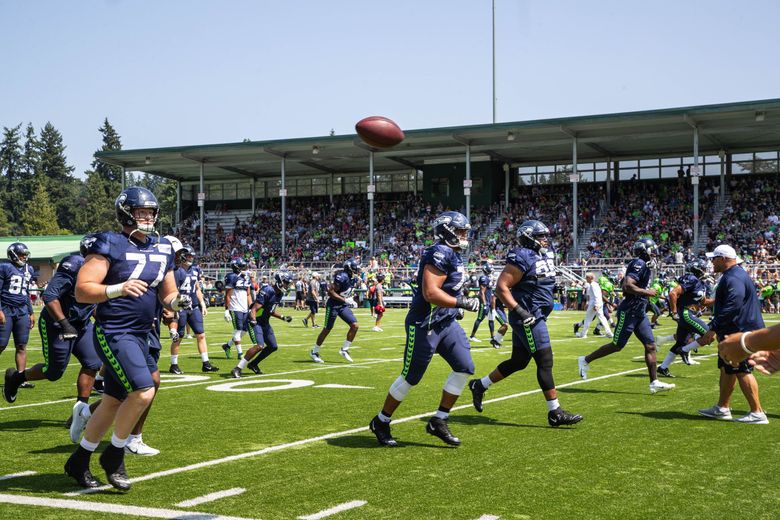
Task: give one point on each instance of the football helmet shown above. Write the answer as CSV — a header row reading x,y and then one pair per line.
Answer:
x,y
18,254
446,226
134,198
531,233
645,248
380,277
187,255
351,267
697,268
282,280
487,268
238,265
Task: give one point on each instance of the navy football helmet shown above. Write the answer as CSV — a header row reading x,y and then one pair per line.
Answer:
x,y
380,277
446,226
351,267
282,280
487,268
697,268
187,255
531,232
18,254
645,248
238,265
134,198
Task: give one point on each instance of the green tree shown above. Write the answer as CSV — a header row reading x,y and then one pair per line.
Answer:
x,y
97,209
5,227
53,165
11,169
40,217
111,174
165,191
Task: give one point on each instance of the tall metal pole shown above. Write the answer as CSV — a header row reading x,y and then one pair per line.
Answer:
x,y
575,177
202,203
506,187
467,182
722,155
332,187
695,182
283,195
254,195
178,203
494,61
371,190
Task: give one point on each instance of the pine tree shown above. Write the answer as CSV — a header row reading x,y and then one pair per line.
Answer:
x,y
40,217
5,227
97,209
111,175
10,167
30,158
60,182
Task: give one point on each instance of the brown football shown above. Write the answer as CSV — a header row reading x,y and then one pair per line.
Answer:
x,y
379,132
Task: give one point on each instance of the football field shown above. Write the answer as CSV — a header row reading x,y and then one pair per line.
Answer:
x,y
294,442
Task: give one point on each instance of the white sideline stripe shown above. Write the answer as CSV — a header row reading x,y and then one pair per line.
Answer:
x,y
20,474
211,497
302,442
488,517
363,364
112,509
334,510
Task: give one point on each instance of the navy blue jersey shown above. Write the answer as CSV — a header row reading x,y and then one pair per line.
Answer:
x,y
534,292
638,270
269,298
736,304
693,289
486,282
14,289
344,285
62,287
131,260
446,260
187,281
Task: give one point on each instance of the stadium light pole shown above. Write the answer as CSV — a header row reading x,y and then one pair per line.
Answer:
x,y
695,182
467,182
283,195
178,202
371,190
575,177
253,188
202,203
494,61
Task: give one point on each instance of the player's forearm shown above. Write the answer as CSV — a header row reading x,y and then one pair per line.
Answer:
x,y
93,292
764,339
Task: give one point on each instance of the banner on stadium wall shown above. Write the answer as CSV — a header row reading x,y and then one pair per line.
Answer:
x,y
360,243
350,244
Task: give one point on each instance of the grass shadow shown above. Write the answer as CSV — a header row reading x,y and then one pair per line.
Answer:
x,y
31,424
670,415
577,390
364,442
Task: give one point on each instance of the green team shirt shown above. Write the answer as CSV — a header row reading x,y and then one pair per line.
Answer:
x,y
767,291
659,290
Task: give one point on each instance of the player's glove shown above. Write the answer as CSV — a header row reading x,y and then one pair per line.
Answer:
x,y
174,334
469,304
460,314
68,330
182,302
227,315
525,317
288,319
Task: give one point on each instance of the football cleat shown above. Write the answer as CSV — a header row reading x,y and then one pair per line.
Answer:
x,y
560,417
315,356
382,432
583,367
377,329
495,343
79,470
78,421
438,428
226,348
664,372
188,336
477,393
236,373
208,367
686,357
472,339
255,368
305,322
139,447
175,370
597,332
345,354
576,328
27,384
659,386
10,388
112,460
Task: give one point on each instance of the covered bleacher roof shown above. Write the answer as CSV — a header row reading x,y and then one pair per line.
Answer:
x,y
732,127
52,248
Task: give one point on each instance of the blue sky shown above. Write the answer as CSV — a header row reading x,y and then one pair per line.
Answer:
x,y
181,72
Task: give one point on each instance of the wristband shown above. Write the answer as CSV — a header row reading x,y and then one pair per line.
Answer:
x,y
114,291
742,343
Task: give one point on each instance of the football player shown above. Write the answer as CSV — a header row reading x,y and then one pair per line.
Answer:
x,y
690,291
484,295
526,286
260,331
16,311
631,316
237,302
340,304
188,278
313,300
431,328
65,328
379,301
125,274
498,313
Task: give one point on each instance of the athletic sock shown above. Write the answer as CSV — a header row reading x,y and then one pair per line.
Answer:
x,y
498,337
316,349
385,418
242,363
691,346
174,359
89,447
231,342
204,357
486,382
442,413
668,359
117,442
346,345
553,404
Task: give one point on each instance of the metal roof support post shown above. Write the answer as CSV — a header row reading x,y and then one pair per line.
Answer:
x,y
178,203
371,190
575,177
467,182
254,195
506,186
722,155
609,181
202,203
283,195
414,180
695,182
331,187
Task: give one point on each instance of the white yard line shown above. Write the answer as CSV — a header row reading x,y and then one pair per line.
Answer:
x,y
20,474
111,509
488,517
211,497
311,440
334,510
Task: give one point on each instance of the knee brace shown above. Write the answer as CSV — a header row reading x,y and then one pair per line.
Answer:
x,y
544,365
237,335
455,382
399,388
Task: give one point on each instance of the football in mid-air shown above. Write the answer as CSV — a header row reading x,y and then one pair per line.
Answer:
x,y
379,132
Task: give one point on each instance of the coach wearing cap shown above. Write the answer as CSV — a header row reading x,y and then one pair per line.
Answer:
x,y
736,310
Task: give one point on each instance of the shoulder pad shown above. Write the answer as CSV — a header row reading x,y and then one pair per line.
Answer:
x,y
100,243
71,264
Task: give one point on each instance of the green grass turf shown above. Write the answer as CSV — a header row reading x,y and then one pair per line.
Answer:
x,y
634,455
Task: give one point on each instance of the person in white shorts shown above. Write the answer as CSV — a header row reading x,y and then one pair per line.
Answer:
x,y
595,307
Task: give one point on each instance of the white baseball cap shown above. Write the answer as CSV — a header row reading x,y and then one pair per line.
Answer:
x,y
725,251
